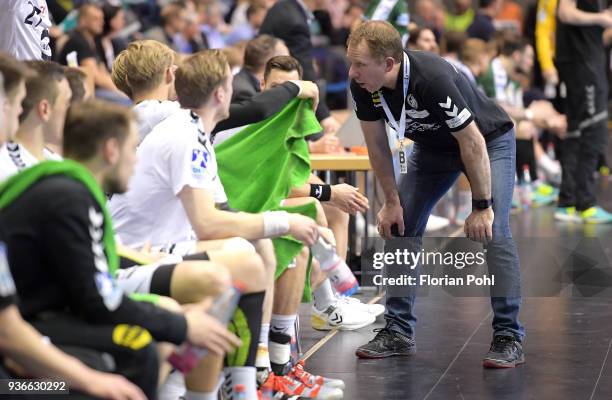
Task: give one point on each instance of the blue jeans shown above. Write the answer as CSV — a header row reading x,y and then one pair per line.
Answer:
x,y
430,175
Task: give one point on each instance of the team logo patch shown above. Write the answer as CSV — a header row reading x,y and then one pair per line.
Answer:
x,y
111,294
132,336
412,101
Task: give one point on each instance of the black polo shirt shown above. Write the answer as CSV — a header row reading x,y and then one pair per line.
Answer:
x,y
440,100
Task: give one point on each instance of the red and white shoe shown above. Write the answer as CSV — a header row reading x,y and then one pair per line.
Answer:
x,y
300,374
286,387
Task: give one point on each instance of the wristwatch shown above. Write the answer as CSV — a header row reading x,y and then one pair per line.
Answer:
x,y
482,204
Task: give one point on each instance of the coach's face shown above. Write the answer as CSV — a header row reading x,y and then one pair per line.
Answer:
x,y
369,72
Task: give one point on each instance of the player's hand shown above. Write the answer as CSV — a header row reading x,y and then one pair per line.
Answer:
x,y
479,225
348,199
551,76
327,144
303,229
389,215
112,387
330,125
309,90
206,331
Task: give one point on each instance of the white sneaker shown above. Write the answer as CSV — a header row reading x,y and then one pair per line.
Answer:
x,y
173,388
342,315
435,223
374,309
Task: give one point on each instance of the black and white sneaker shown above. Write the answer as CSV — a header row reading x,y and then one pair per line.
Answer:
x,y
387,343
505,352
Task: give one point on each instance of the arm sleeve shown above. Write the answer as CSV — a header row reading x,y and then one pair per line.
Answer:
x,y
444,101
363,104
76,255
259,107
545,33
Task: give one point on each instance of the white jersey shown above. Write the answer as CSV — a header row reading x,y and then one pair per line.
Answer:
x,y
14,158
151,112
177,153
24,26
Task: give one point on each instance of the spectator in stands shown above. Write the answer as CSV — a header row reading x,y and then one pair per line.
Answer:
x,y
460,17
173,21
258,51
510,16
452,42
248,30
395,12
482,27
289,20
80,50
423,39
430,14
475,57
108,44
212,26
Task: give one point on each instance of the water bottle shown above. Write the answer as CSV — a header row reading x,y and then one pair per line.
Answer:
x,y
339,274
186,357
526,188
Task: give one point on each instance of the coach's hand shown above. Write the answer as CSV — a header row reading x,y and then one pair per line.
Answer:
x,y
479,225
390,214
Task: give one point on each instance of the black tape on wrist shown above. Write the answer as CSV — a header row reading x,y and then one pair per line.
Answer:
x,y
320,192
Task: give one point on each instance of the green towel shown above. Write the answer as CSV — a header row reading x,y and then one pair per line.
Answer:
x,y
13,187
260,164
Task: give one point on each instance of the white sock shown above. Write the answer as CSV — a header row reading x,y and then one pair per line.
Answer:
x,y
173,388
283,324
324,296
201,395
245,376
280,353
548,164
264,334
262,359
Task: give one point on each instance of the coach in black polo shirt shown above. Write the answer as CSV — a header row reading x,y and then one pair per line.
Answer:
x,y
455,129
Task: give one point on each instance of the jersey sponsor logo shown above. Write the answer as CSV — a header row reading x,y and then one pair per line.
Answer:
x,y
7,285
418,114
376,99
413,126
132,336
110,293
199,161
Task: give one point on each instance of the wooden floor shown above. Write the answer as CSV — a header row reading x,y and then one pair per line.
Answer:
x,y
567,347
